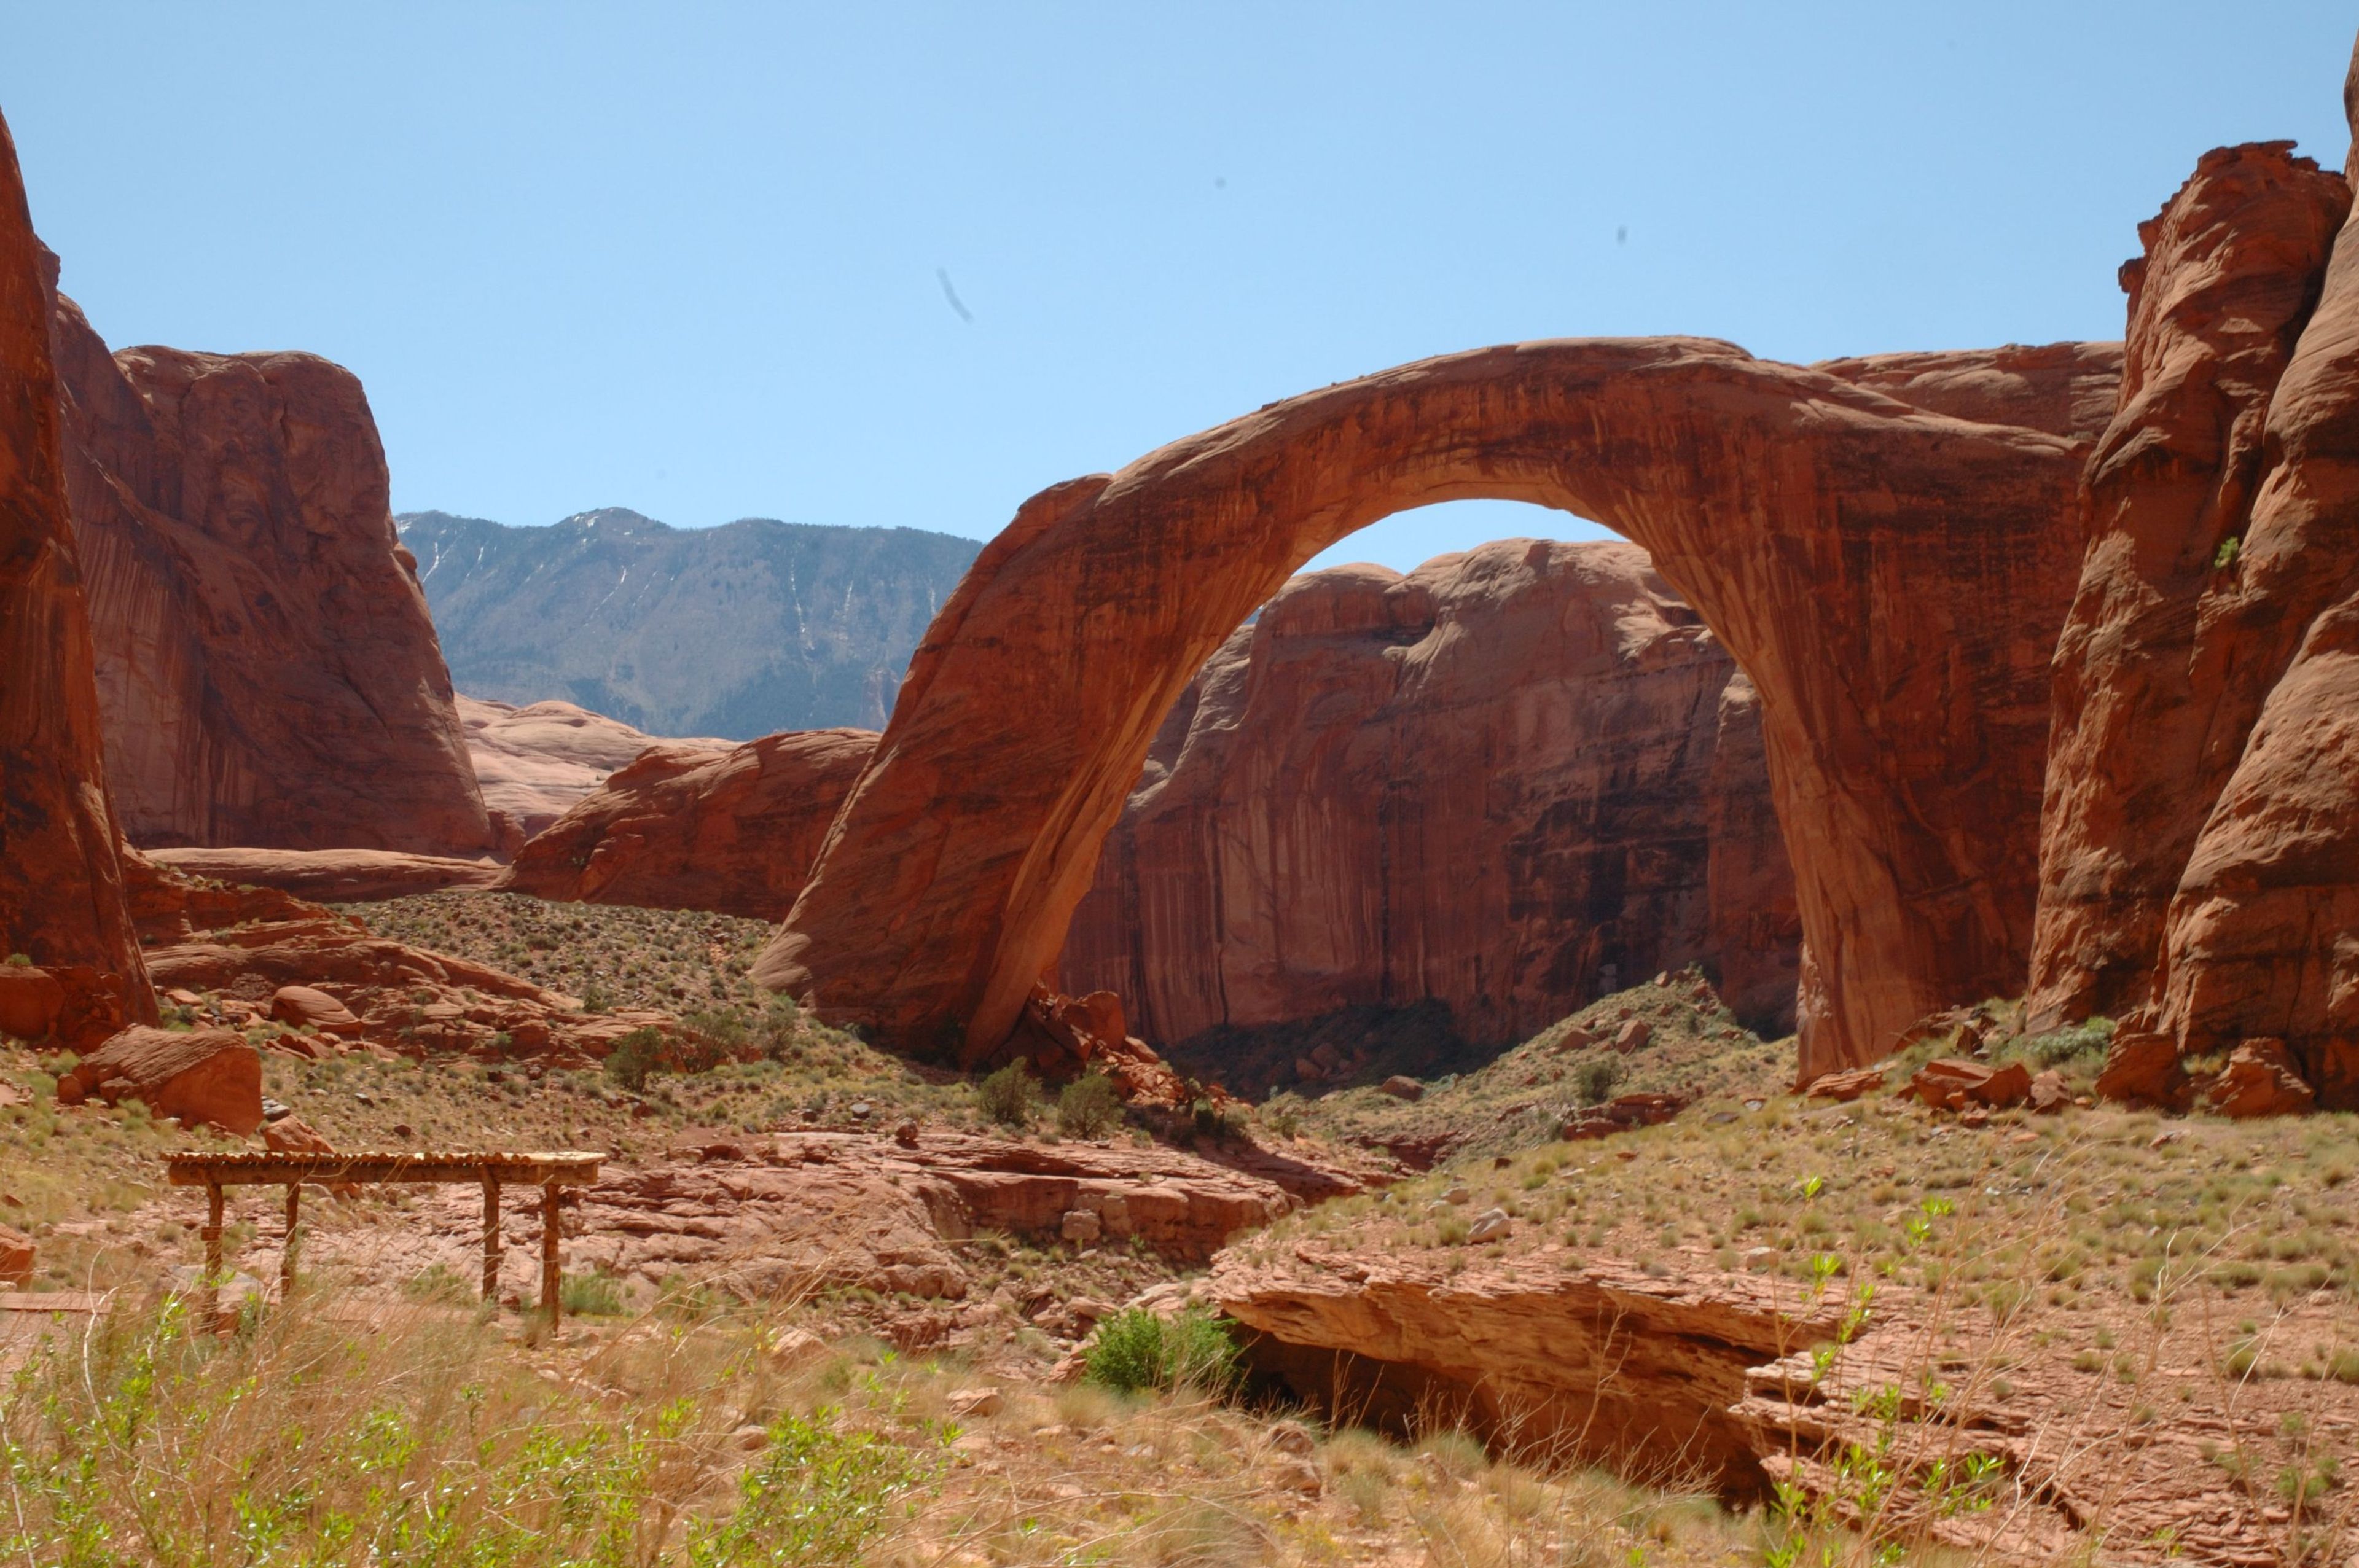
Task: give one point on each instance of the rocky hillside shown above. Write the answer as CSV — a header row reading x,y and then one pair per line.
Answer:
x,y
738,630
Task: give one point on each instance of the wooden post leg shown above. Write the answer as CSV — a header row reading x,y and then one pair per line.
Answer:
x,y
212,1235
551,1280
490,1238
287,1255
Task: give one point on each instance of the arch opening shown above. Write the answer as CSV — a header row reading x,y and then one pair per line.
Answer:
x,y
1848,546
1409,818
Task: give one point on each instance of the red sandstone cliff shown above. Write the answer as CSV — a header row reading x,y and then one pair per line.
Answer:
x,y
1503,781
534,763
267,674
2230,273
61,901
684,827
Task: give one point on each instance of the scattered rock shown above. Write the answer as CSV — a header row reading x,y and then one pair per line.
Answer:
x,y
2049,1093
1947,1084
1402,1087
1847,1086
975,1404
30,1001
1491,1225
1632,1036
1079,1226
1294,1474
16,1256
303,1005
751,1438
1293,1437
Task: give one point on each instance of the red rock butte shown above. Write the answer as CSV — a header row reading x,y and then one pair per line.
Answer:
x,y
1886,546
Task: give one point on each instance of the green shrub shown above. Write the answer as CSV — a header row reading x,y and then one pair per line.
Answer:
x,y
1008,1095
2079,1045
596,998
1135,1349
819,1495
1597,1079
595,1295
21,960
781,1028
1090,1107
634,1057
708,1039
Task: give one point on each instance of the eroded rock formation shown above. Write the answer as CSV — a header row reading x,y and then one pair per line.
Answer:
x,y
1848,549
2230,273
1500,782
266,671
534,763
684,827
60,888
332,876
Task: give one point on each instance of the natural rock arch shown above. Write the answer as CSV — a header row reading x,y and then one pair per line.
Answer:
x,y
1890,574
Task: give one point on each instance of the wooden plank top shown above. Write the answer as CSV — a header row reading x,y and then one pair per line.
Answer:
x,y
567,1167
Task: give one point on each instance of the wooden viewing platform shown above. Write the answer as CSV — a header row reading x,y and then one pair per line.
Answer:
x,y
547,1171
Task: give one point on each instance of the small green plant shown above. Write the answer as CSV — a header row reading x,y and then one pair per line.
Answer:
x,y
597,998
1089,1107
634,1057
2225,555
1008,1095
20,960
819,1495
1135,1349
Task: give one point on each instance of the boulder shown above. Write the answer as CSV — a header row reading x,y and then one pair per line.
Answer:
x,y
683,827
2260,1080
1623,762
1947,1084
208,1077
30,1001
1400,1086
2050,1093
1633,1036
16,1256
300,1005
1851,576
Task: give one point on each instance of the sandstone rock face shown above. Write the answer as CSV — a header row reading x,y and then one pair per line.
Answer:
x,y
266,671
332,875
205,1076
2229,274
683,827
1496,782
61,887
534,763
1843,545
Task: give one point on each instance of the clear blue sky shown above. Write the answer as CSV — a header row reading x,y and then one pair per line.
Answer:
x,y
686,258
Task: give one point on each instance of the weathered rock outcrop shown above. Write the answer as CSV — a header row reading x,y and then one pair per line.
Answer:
x,y
1606,1362
684,827
1502,782
2231,270
334,876
266,671
60,888
1845,546
533,764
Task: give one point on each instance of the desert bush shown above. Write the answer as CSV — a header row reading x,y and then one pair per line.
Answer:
x,y
1135,1349
595,1295
1598,1078
1090,1107
2079,1046
1008,1095
634,1057
819,1495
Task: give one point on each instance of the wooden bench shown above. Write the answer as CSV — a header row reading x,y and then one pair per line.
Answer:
x,y
547,1171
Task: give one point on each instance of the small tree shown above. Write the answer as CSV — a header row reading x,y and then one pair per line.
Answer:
x,y
634,1057
1597,1079
1090,1107
1008,1095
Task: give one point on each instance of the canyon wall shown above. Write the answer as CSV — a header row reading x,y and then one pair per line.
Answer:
x,y
1503,781
61,899
1889,575
267,674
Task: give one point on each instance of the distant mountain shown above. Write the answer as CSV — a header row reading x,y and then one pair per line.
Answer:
x,y
738,630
